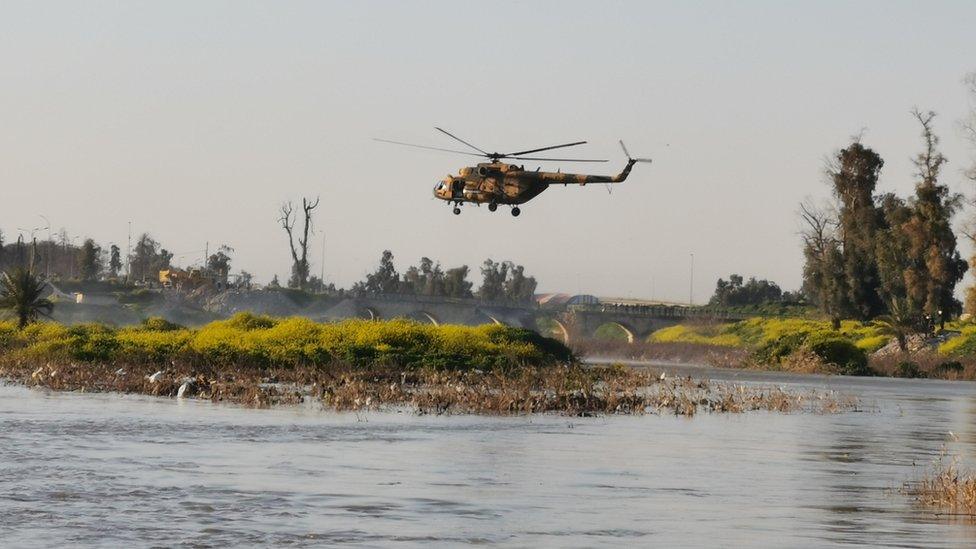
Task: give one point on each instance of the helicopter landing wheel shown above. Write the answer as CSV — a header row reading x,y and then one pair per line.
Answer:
x,y
516,211
457,211
492,206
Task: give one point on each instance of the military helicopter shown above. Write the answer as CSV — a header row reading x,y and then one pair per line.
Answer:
x,y
496,182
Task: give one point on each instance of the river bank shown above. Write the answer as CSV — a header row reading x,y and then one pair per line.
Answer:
x,y
801,345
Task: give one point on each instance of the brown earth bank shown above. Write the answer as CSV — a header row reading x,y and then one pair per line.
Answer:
x,y
566,389
924,363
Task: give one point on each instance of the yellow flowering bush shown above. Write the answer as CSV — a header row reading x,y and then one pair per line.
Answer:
x,y
251,340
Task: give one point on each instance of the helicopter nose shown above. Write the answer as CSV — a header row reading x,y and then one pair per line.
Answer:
x,y
438,188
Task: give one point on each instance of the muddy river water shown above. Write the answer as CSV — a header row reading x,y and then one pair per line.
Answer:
x,y
113,470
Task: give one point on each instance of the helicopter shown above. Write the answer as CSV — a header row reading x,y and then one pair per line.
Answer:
x,y
496,182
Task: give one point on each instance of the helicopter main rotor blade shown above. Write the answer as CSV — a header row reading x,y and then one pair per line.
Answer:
x,y
449,134
546,148
555,159
425,147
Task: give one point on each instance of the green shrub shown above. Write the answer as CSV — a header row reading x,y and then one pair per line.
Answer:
x,y
91,342
871,344
141,296
962,344
909,369
774,350
949,367
247,339
773,338
247,321
852,360
718,336
8,333
160,324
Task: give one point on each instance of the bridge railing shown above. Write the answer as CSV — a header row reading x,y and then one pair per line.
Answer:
x,y
471,301
663,311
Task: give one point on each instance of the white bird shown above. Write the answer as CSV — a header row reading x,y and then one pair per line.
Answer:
x,y
663,376
187,383
155,377
119,372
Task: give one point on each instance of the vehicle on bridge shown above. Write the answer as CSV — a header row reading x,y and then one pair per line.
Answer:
x,y
496,182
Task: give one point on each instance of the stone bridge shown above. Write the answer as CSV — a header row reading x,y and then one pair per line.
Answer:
x,y
636,321
435,310
571,323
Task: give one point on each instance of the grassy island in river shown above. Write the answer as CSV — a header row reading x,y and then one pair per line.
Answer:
x,y
358,364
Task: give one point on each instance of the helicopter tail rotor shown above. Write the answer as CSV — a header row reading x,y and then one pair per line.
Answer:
x,y
630,158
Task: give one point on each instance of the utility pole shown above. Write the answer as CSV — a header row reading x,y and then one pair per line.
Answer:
x,y
322,268
128,255
47,262
691,282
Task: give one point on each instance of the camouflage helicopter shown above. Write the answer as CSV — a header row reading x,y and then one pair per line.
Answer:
x,y
496,182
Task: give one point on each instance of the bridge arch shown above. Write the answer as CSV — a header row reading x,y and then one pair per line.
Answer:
x,y
491,317
628,332
424,316
563,331
552,326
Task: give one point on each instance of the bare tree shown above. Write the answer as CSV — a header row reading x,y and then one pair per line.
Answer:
x,y
969,124
823,269
299,255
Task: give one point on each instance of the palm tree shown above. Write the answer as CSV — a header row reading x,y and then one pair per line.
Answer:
x,y
901,323
22,293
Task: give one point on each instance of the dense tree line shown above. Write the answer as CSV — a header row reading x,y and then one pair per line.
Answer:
x,y
501,281
58,259
55,257
737,292
872,255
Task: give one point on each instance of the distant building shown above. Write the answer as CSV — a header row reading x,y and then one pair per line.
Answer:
x,y
562,300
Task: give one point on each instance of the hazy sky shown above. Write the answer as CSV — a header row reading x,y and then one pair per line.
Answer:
x,y
195,120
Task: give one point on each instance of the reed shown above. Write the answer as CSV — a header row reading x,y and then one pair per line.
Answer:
x,y
946,488
565,389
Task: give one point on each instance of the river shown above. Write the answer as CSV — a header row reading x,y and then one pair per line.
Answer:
x,y
115,470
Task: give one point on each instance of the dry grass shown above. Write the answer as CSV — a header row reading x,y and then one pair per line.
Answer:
x,y
930,364
947,488
570,390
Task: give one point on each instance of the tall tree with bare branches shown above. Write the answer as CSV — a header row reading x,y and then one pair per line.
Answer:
x,y
936,267
299,254
968,126
823,269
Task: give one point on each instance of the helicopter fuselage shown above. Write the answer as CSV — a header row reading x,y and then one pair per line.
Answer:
x,y
501,183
